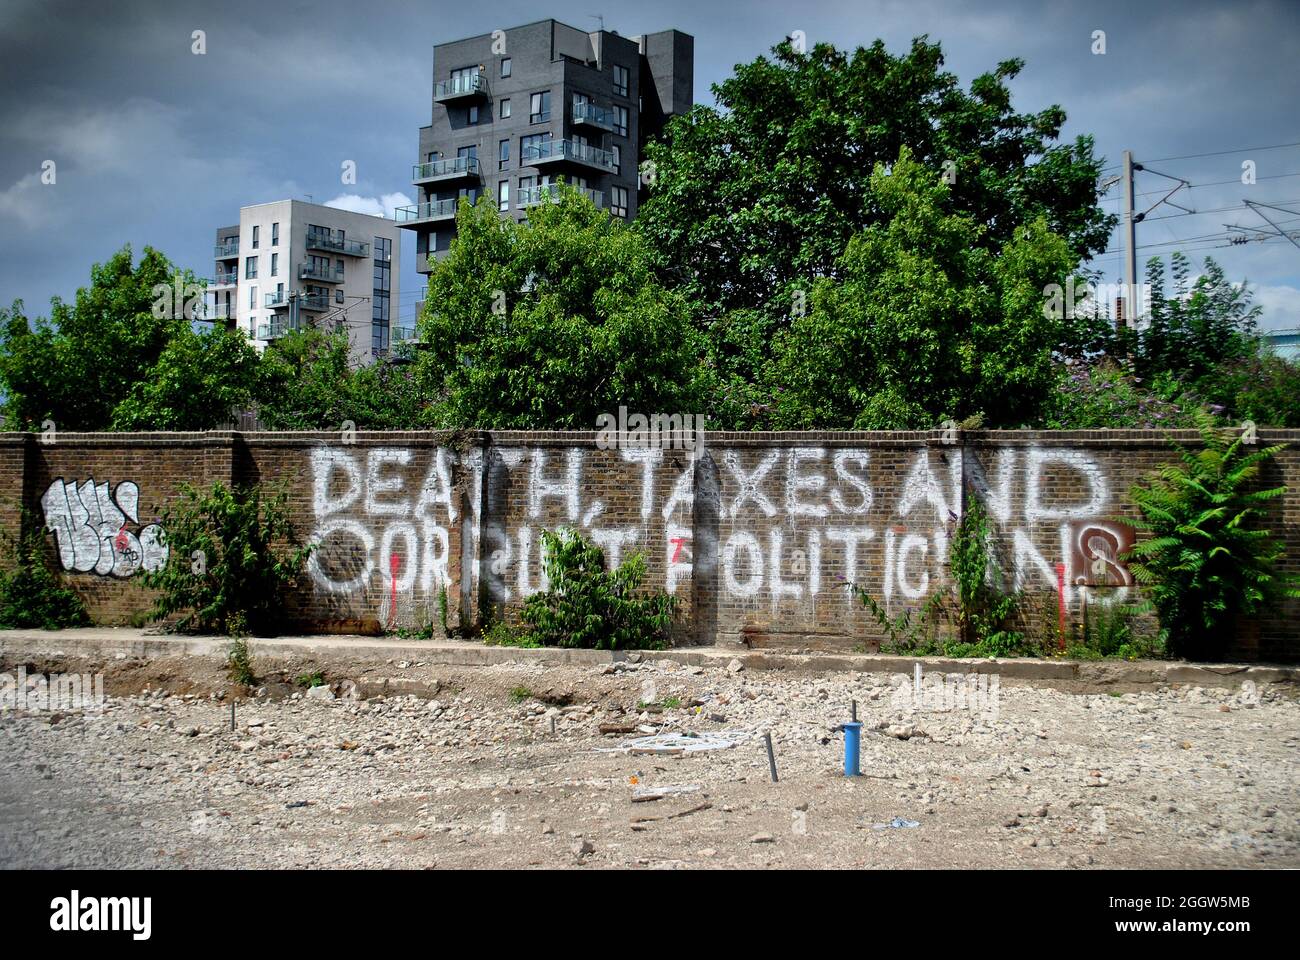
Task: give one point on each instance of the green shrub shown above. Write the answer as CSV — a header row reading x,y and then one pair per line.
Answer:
x,y
588,606
310,680
1207,564
232,554
30,592
520,694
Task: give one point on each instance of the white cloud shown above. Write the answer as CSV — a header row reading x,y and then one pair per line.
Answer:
x,y
375,206
1281,305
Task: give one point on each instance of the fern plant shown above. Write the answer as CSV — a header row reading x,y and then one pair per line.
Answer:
x,y
1207,563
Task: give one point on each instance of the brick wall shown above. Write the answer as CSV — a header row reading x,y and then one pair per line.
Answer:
x,y
755,533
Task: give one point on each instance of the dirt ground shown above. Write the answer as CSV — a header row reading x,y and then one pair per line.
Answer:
x,y
411,765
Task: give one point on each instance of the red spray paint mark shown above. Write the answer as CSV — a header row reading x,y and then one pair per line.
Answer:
x,y
394,565
1060,605
676,553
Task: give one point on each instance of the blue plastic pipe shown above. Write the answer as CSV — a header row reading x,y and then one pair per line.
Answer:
x,y
852,745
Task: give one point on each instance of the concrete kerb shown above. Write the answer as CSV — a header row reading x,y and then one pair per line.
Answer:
x,y
1080,676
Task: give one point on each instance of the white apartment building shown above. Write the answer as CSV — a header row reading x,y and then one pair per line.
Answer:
x,y
292,264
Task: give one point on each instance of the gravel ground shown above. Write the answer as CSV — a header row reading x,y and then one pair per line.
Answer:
x,y
475,777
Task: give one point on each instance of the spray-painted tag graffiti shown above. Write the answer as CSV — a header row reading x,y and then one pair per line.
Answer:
x,y
89,523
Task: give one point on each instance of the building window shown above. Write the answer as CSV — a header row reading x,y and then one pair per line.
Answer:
x,y
505,67
279,291
503,155
620,80
275,234
473,114
539,110
620,121
252,298
338,295
505,108
503,195
250,267
275,264
618,158
380,294
532,146
618,206
256,230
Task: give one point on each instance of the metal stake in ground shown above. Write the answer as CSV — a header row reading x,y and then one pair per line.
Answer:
x,y
771,757
232,715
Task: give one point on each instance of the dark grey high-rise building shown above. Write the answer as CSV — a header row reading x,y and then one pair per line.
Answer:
x,y
516,110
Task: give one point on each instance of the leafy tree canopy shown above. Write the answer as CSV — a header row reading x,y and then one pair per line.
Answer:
x,y
77,365
551,322
925,321
764,192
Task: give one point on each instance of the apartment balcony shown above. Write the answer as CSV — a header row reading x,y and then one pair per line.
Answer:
x,y
400,335
315,302
550,193
225,279
277,328
333,244
461,88
325,274
452,168
213,312
423,213
559,152
591,115
227,251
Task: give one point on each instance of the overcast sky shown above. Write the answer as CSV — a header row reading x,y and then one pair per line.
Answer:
x,y
155,145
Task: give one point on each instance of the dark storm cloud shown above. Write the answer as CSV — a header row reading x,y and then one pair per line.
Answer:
x,y
154,144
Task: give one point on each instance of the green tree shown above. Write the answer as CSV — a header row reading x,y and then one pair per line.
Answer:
x,y
308,384
923,321
763,193
1195,329
199,380
76,366
549,323
1207,561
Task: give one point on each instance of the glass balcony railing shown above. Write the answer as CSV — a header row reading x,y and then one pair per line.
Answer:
x,y
593,115
531,196
273,301
401,335
556,150
277,328
466,85
316,302
425,212
324,274
333,244
217,311
224,251
225,279
448,169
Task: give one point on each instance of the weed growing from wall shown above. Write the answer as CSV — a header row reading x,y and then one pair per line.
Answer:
x,y
233,554
971,616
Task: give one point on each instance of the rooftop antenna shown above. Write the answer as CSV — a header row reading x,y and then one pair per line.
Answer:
x,y
600,18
